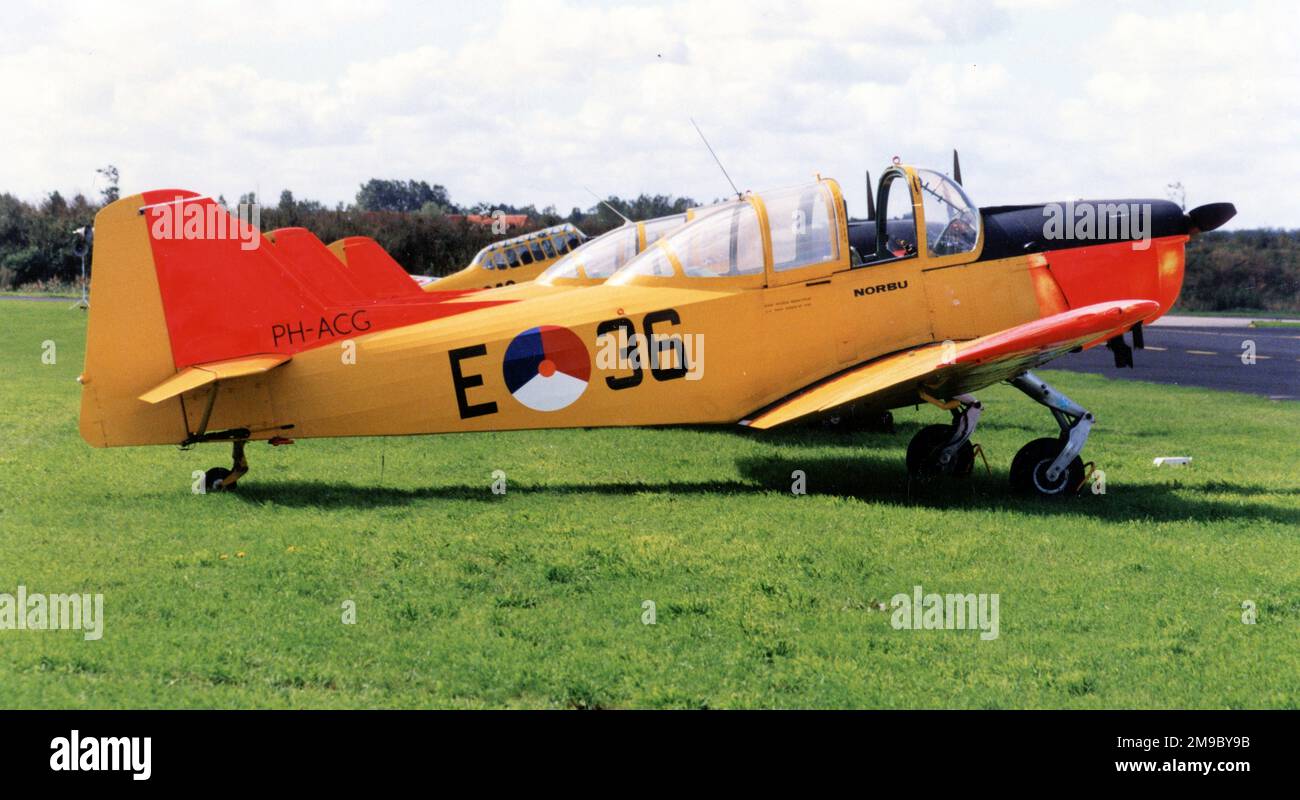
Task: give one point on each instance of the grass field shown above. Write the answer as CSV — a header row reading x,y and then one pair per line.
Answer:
x,y
1238,312
763,599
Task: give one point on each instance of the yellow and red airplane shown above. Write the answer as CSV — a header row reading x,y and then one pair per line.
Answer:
x,y
511,261
774,309
597,259
552,259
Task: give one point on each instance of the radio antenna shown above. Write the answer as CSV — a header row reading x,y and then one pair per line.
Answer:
x,y
717,160
606,204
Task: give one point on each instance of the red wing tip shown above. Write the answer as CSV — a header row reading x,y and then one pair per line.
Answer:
x,y
1061,328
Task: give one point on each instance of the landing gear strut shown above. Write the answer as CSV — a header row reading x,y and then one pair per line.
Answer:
x,y
946,449
1052,467
220,479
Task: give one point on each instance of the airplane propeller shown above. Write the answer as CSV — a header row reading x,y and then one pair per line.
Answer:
x,y
1211,216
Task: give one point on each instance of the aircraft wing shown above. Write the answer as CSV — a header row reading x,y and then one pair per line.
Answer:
x,y
945,370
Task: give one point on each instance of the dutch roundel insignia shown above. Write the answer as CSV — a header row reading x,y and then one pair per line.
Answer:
x,y
547,368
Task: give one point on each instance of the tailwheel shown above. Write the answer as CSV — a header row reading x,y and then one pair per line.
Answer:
x,y
220,479
1032,465
213,479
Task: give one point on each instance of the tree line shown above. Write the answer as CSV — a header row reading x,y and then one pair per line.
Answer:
x,y
1244,269
418,223
426,232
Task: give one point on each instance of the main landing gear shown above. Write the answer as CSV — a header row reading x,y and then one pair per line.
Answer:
x,y
1047,467
946,449
1052,467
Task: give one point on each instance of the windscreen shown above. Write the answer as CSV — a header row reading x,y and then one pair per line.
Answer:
x,y
952,222
724,244
597,259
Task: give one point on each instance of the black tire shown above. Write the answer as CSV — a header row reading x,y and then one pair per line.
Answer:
x,y
923,454
1029,468
213,477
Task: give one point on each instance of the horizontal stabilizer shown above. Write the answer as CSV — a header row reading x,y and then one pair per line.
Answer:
x,y
198,375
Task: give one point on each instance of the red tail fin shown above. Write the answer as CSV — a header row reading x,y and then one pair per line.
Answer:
x,y
372,265
228,292
300,248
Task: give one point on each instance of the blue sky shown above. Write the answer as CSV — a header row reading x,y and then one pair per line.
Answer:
x,y
529,101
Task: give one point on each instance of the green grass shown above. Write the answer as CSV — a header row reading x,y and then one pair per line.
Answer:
x,y
534,598
1237,312
1275,324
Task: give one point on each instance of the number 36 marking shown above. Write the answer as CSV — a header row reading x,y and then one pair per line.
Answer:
x,y
631,355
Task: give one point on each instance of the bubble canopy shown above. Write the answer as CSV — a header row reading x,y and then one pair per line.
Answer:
x,y
784,229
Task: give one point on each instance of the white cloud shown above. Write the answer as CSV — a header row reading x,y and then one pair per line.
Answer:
x,y
529,101
1205,98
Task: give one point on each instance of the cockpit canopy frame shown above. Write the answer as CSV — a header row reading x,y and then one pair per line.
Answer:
x,y
738,246
801,234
